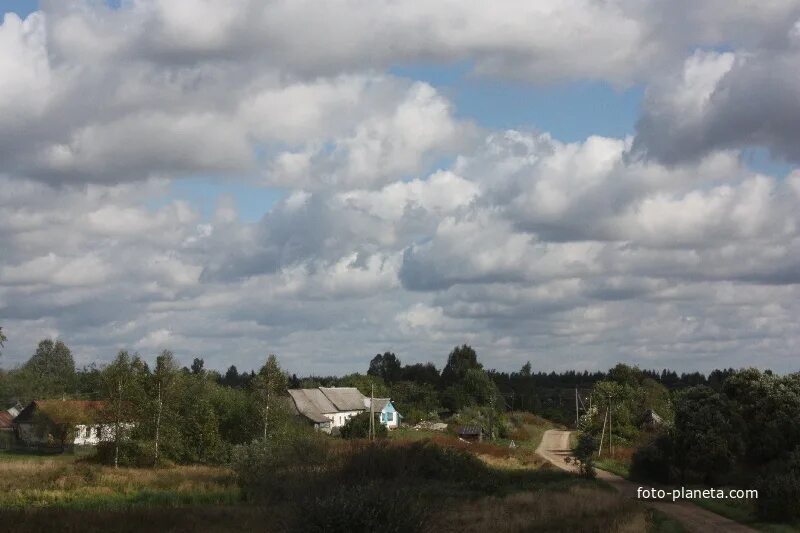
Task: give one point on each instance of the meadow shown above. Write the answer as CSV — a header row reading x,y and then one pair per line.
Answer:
x,y
433,483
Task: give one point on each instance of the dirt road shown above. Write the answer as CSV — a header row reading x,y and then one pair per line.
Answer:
x,y
555,447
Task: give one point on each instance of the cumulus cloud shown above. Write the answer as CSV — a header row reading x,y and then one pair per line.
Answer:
x,y
726,100
404,225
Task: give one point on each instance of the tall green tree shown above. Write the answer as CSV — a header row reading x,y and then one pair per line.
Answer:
x,y
3,338
123,387
268,386
164,378
460,360
386,366
51,369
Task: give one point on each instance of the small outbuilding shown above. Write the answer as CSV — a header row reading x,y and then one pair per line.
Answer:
x,y
470,433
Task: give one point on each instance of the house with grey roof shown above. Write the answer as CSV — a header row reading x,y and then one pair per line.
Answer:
x,y
329,408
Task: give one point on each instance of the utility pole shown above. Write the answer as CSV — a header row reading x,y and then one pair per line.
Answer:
x,y
372,413
610,440
577,416
603,433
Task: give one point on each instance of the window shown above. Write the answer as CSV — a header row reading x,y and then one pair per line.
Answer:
x,y
88,432
389,417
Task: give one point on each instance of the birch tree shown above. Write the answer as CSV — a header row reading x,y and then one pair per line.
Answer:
x,y
164,378
122,380
269,384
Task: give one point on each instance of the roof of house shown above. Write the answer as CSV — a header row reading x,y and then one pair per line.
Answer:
x,y
312,404
344,398
85,410
470,430
379,403
6,420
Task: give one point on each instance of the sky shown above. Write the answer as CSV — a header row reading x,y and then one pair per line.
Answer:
x,y
572,183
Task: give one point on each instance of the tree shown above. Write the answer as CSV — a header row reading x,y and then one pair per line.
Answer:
x,y
164,379
525,371
122,381
51,369
357,427
461,359
707,439
584,452
386,367
269,384
197,366
421,373
3,338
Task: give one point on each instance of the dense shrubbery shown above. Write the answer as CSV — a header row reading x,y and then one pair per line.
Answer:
x,y
358,427
655,460
362,508
779,489
584,451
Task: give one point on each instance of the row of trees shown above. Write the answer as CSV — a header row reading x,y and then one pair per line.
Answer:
x,y
741,429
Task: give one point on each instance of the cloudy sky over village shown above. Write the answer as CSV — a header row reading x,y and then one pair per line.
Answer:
x,y
572,182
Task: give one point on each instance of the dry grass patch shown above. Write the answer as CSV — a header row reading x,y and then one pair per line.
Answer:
x,y
56,482
577,509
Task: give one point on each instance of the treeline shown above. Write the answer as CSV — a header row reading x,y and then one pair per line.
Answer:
x,y
741,428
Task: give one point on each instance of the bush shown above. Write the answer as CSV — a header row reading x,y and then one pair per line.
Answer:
x,y
131,453
422,460
779,490
584,451
283,466
654,461
361,508
357,427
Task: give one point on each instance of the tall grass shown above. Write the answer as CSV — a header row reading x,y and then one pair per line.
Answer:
x,y
56,482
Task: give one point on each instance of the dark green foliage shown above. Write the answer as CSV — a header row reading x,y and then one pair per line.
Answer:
x,y
707,434
654,461
769,406
358,427
362,508
584,452
282,467
461,359
132,453
779,490
386,367
50,372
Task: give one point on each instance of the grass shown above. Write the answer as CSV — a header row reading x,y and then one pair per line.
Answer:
x,y
661,523
616,466
744,512
64,482
578,508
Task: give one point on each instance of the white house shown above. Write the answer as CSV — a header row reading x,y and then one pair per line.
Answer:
x,y
389,416
329,408
66,422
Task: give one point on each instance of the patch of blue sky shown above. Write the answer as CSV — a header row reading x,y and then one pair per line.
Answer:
x,y
204,194
570,111
759,159
23,8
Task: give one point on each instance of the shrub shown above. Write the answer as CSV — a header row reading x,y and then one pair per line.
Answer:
x,y
361,508
131,453
358,427
283,466
584,451
422,460
654,461
779,490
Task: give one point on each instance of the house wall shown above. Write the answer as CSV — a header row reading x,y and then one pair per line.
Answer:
x,y
339,419
85,435
390,417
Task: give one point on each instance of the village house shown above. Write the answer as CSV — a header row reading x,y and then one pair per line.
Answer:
x,y
329,408
389,416
65,423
